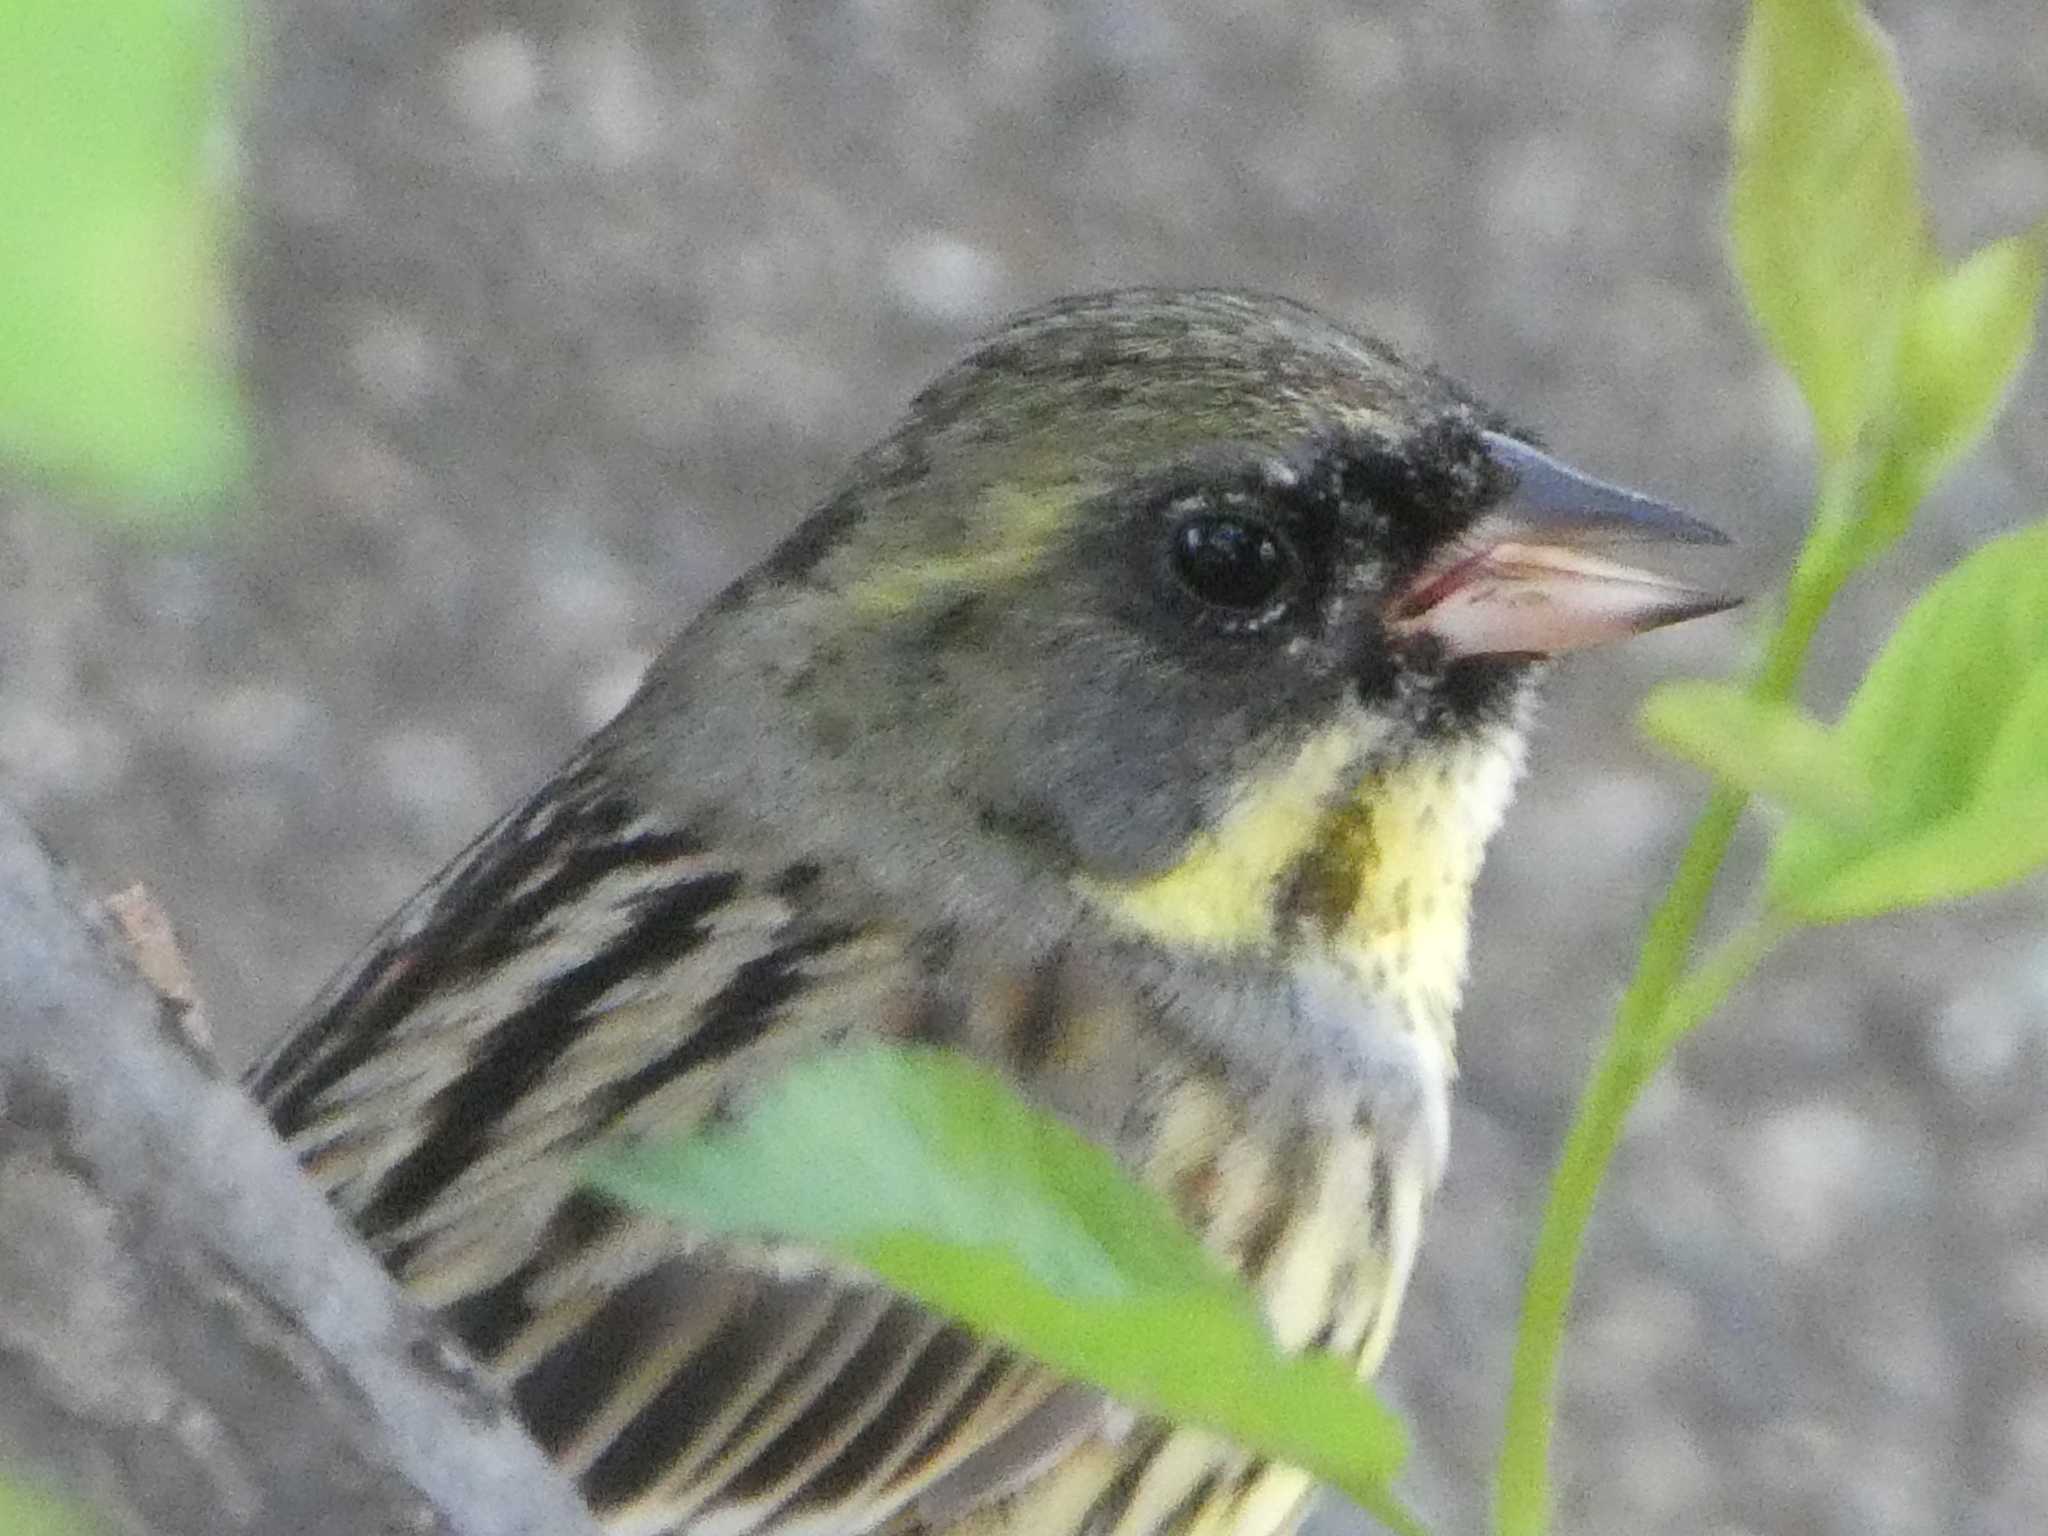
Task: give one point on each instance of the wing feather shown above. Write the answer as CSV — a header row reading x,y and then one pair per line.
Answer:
x,y
584,969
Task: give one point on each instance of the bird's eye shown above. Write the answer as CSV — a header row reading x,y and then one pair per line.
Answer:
x,y
1234,564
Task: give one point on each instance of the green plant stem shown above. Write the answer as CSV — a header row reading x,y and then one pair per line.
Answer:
x,y
1662,1003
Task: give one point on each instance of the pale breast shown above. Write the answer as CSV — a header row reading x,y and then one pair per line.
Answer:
x,y
1321,1210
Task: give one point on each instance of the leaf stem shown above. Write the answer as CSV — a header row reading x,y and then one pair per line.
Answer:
x,y
1663,1001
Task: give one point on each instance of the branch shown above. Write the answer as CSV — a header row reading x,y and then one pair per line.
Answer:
x,y
190,1342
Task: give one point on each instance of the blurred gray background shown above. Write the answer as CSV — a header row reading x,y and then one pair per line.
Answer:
x,y
556,314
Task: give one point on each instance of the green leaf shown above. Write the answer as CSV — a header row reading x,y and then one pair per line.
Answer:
x,y
1766,747
929,1172
1969,331
114,352
1829,236
1972,326
1951,723
28,1509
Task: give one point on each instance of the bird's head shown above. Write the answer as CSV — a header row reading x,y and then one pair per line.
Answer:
x,y
1154,582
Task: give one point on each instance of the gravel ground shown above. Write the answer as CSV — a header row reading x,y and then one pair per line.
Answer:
x,y
558,313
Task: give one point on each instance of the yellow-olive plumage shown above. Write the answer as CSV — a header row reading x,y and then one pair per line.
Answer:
x,y
1134,719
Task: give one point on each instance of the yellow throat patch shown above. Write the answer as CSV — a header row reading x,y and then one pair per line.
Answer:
x,y
1376,873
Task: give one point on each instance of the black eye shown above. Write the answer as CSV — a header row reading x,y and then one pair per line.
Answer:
x,y
1234,564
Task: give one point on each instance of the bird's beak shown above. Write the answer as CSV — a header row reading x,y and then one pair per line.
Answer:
x,y
1521,582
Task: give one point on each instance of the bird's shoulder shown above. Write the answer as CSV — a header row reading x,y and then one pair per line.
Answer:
x,y
587,961
593,964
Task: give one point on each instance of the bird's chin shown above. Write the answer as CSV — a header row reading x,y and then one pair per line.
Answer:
x,y
1477,691
1419,679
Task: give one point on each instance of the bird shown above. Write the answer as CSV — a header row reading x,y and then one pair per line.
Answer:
x,y
1132,720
